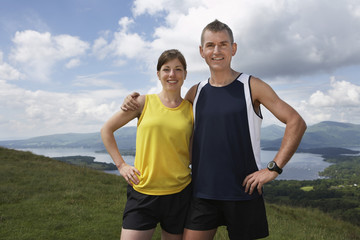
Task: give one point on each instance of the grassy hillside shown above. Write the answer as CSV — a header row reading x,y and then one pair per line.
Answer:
x,y
41,198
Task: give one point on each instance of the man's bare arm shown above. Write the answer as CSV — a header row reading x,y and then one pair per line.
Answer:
x,y
295,129
190,95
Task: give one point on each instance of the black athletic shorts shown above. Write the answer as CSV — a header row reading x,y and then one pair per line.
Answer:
x,y
144,212
244,219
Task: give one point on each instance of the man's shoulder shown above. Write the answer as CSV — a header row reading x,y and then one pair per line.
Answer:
x,y
190,95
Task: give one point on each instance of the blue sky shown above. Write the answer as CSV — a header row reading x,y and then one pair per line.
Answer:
x,y
66,66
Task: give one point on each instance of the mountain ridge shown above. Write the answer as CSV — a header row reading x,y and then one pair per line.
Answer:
x,y
320,135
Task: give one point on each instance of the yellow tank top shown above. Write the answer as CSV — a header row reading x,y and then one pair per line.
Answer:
x,y
162,147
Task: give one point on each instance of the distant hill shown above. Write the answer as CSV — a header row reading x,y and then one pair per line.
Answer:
x,y
332,134
322,135
272,132
125,137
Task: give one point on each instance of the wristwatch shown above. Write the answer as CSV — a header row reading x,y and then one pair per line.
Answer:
x,y
272,166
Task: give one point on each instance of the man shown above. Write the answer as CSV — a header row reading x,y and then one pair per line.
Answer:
x,y
227,177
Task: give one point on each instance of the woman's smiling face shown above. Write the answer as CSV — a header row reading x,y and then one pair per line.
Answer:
x,y
172,75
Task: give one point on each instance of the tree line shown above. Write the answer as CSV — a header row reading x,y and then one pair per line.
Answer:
x,y
337,193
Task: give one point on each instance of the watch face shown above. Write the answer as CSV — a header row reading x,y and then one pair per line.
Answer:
x,y
271,165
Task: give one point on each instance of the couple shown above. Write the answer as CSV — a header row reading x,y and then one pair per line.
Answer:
x,y
218,123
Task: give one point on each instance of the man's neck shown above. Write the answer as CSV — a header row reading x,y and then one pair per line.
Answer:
x,y
220,79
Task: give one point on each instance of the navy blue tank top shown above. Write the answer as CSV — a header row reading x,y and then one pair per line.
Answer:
x,y
226,144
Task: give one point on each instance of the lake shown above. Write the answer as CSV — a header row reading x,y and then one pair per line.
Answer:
x,y
302,166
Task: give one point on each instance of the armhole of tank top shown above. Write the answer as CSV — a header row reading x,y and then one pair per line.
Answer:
x,y
197,89
203,83
144,109
259,114
195,102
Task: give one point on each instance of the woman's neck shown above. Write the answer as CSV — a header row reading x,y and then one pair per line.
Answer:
x,y
170,99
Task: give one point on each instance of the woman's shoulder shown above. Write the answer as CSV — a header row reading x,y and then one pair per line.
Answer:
x,y
141,98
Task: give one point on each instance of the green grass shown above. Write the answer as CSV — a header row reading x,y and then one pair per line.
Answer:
x,y
45,199
307,188
303,224
41,198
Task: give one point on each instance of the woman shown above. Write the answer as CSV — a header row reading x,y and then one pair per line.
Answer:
x,y
159,182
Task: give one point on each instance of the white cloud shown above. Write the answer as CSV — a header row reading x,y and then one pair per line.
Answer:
x,y
169,6
123,44
319,99
339,103
7,72
97,80
99,48
37,52
68,46
277,39
128,45
73,63
33,113
354,9
145,6
125,22
342,93
274,37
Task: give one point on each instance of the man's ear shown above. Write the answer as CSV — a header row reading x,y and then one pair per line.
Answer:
x,y
234,48
201,51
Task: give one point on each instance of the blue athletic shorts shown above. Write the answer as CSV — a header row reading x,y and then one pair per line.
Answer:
x,y
244,219
144,212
